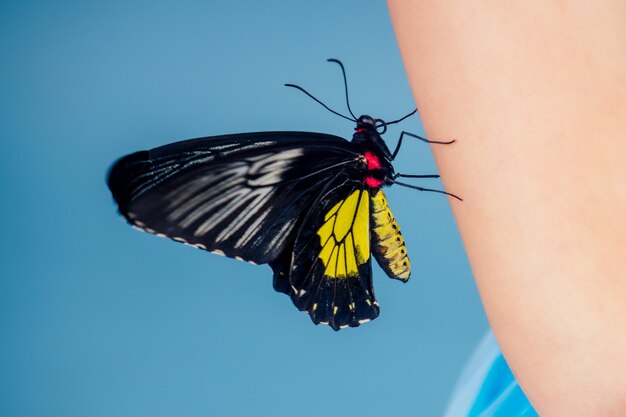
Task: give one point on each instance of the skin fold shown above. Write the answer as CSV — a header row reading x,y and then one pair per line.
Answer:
x,y
534,92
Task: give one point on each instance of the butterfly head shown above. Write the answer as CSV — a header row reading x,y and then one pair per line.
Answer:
x,y
366,122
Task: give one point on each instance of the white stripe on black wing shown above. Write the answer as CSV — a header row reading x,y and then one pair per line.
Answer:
x,y
240,195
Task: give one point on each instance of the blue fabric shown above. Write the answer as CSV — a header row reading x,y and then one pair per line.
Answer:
x,y
487,388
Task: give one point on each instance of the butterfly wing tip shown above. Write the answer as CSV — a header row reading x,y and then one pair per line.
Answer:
x,y
340,324
122,173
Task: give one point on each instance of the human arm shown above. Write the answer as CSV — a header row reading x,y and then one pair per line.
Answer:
x,y
534,92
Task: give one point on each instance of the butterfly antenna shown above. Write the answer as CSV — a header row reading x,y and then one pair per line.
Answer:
x,y
319,101
345,83
402,118
426,189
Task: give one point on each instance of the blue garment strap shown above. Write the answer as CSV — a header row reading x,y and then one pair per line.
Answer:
x,y
487,388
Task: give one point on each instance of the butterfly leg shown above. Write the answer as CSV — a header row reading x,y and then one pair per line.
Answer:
x,y
415,187
414,176
413,135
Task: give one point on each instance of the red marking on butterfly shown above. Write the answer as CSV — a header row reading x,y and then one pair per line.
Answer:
x,y
372,161
373,182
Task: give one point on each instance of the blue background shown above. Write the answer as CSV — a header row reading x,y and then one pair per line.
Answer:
x,y
97,319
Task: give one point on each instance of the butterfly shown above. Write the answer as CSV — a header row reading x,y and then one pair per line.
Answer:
x,y
310,205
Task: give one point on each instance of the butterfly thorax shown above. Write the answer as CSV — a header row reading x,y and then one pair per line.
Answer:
x,y
376,157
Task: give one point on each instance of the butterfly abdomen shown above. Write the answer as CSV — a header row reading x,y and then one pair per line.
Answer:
x,y
387,242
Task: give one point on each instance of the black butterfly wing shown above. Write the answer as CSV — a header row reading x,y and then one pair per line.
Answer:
x,y
238,195
328,272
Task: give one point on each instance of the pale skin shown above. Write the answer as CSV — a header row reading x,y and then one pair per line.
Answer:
x,y
534,92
